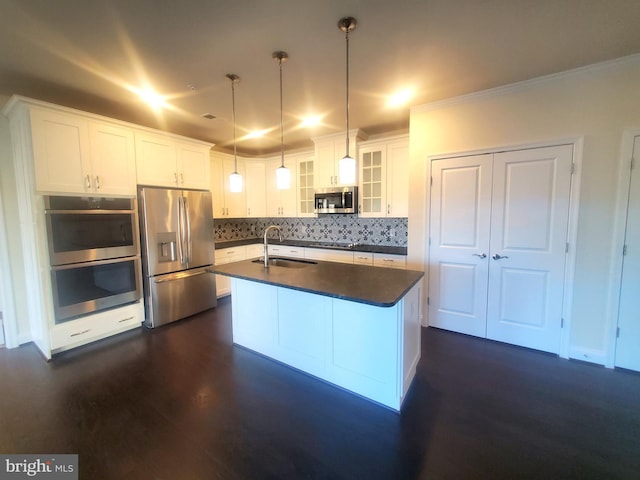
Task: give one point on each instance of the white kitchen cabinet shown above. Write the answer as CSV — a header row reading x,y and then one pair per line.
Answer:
x,y
286,251
221,257
255,250
193,165
384,181
75,154
280,203
306,190
165,161
113,162
389,260
90,328
255,184
329,255
363,258
227,204
328,152
369,350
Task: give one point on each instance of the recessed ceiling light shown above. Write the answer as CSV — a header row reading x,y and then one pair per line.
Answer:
x,y
153,98
256,134
311,121
400,98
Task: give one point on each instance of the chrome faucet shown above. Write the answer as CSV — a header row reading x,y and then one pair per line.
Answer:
x,y
266,246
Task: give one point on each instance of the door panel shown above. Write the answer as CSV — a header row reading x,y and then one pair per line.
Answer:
x,y
529,221
460,213
627,351
201,223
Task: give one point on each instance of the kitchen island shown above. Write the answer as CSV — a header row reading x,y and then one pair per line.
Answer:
x,y
355,326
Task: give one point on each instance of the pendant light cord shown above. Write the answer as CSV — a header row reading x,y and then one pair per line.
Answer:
x,y
233,119
347,90
281,121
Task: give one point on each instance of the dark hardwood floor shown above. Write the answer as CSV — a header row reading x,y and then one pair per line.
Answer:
x,y
181,402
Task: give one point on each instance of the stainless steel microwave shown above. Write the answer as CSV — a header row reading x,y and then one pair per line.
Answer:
x,y
336,200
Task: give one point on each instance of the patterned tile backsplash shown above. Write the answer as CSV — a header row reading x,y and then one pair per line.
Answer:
x,y
390,232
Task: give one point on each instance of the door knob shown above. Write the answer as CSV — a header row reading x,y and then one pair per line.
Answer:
x,y
480,255
499,257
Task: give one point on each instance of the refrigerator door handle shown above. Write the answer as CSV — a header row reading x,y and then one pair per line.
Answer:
x,y
181,246
188,228
179,276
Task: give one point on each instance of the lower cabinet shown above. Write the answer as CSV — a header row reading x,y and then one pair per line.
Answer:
x,y
372,351
94,327
341,256
221,257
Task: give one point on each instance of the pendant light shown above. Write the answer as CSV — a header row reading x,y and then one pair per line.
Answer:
x,y
283,175
347,165
235,179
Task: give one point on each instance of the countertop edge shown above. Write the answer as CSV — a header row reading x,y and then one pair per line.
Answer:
x,y
410,283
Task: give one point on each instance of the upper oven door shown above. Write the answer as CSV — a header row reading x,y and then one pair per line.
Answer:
x,y
82,235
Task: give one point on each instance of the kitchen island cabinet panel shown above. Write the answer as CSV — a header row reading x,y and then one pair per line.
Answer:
x,y
366,349
302,339
255,324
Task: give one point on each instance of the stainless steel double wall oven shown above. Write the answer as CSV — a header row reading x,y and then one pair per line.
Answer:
x,y
94,251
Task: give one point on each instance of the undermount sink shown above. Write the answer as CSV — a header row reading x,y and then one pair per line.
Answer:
x,y
286,262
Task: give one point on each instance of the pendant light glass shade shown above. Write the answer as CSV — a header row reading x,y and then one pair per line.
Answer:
x,y
283,178
235,179
235,183
347,165
283,175
347,170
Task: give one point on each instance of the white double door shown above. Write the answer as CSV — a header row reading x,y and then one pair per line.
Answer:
x,y
628,341
498,238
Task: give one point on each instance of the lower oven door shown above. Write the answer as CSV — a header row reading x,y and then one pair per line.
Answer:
x,y
83,288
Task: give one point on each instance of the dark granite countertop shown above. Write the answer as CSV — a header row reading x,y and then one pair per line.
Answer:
x,y
378,286
312,244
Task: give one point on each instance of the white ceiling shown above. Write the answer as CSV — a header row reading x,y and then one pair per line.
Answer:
x,y
84,54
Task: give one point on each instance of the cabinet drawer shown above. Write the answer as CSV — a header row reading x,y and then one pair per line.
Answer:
x,y
255,250
94,327
229,255
286,251
329,255
363,258
391,261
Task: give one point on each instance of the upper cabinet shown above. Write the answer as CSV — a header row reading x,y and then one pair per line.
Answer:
x,y
165,161
305,166
255,185
281,203
227,204
384,182
75,154
328,152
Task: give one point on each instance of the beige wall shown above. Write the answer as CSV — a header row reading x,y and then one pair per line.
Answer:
x,y
597,104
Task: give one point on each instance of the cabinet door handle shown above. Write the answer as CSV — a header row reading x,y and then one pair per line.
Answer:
x,y
480,255
498,256
97,182
80,333
175,178
388,208
87,182
125,319
181,179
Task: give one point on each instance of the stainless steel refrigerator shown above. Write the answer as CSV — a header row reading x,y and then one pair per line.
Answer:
x,y
177,251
